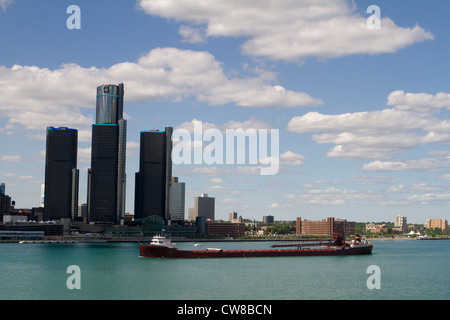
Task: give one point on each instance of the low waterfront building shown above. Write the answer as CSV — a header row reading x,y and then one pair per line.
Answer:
x,y
225,229
375,228
50,229
21,235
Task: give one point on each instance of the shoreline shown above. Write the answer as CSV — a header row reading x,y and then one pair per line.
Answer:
x,y
182,239
404,238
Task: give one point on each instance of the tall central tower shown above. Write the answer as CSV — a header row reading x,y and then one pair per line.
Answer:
x,y
107,177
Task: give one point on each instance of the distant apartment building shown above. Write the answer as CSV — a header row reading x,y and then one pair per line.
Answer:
x,y
325,227
234,218
232,215
400,223
437,223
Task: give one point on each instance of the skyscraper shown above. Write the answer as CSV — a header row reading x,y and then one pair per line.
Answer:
x,y
61,174
106,177
153,180
177,200
204,206
5,202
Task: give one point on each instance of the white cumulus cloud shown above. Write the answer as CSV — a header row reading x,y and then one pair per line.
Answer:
x,y
58,97
12,158
287,30
364,135
415,119
5,3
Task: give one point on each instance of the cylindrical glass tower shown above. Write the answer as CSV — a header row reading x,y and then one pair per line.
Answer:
x,y
109,109
107,200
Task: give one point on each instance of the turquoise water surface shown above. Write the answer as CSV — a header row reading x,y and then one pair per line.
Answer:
x,y
408,270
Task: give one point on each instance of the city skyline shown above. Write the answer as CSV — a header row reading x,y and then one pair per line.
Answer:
x,y
362,112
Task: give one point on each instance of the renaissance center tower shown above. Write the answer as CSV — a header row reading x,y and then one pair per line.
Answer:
x,y
107,177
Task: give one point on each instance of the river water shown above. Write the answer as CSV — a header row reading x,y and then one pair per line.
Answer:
x,y
406,270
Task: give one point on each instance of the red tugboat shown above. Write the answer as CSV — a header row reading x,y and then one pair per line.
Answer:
x,y
160,247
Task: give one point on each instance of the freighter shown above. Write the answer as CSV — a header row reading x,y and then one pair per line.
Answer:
x,y
161,247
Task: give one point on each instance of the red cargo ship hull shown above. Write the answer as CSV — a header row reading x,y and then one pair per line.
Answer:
x,y
151,251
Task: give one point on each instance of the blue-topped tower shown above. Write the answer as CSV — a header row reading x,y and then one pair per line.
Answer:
x,y
107,176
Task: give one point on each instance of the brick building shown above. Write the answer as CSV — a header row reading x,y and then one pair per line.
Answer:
x,y
225,229
437,223
325,227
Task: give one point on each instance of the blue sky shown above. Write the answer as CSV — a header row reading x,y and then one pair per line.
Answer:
x,y
362,114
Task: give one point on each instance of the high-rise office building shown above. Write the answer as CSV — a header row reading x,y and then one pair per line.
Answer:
x,y
107,177
204,206
61,174
177,200
152,187
5,202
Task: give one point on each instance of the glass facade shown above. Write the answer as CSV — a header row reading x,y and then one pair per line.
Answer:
x,y
107,109
155,171
177,200
103,174
107,177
